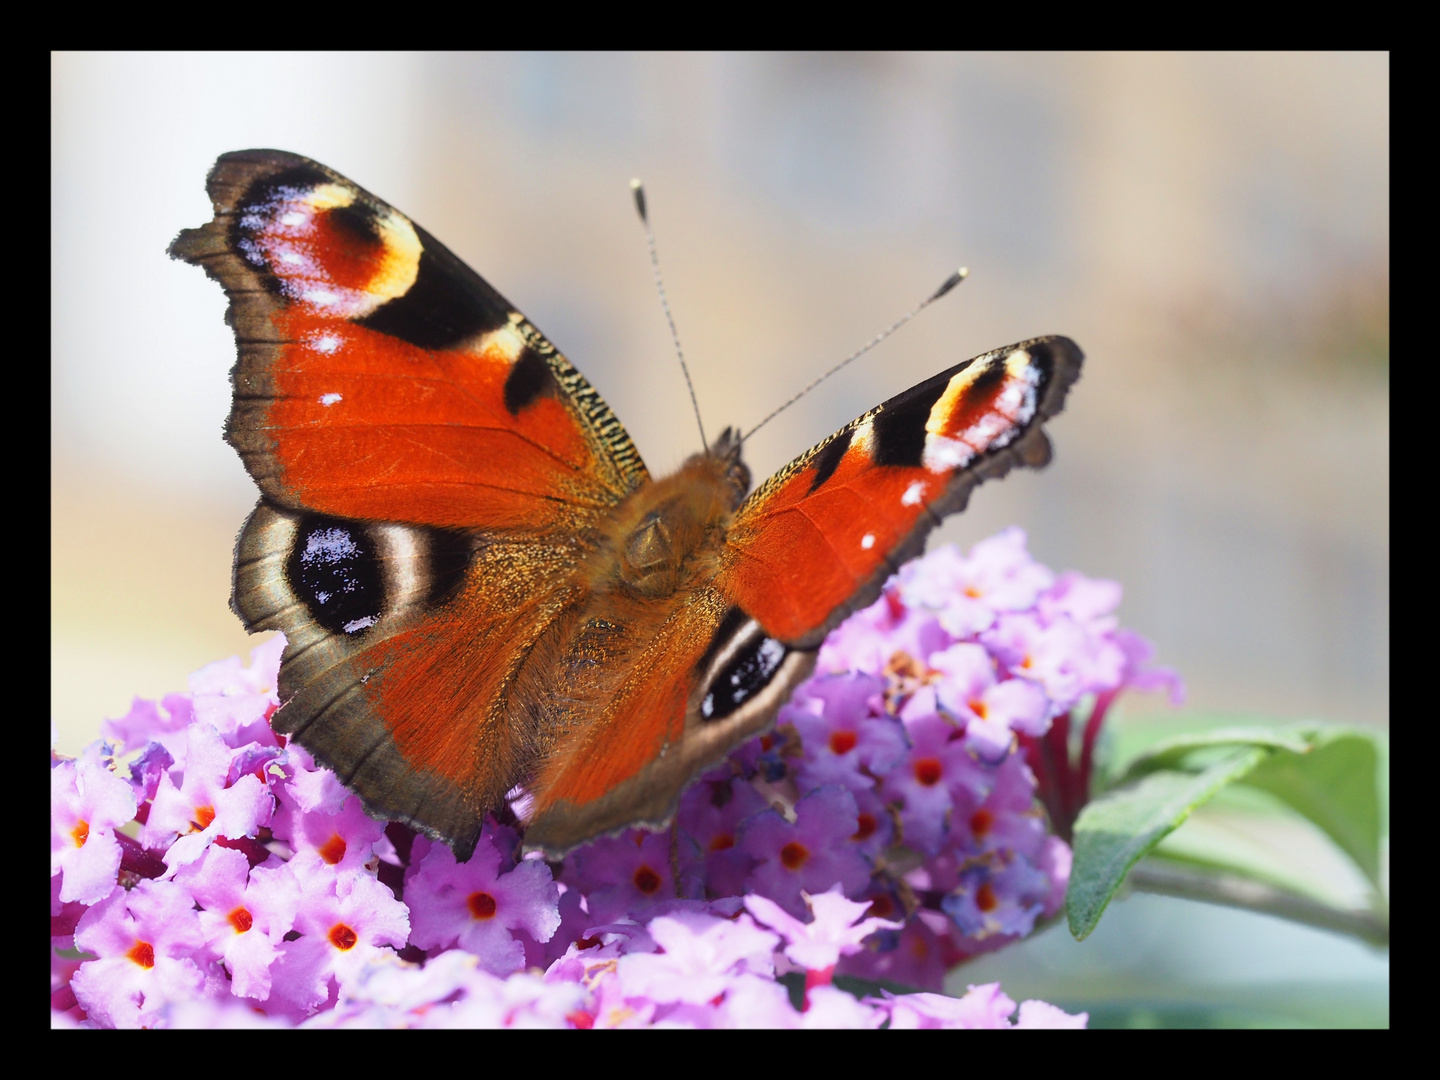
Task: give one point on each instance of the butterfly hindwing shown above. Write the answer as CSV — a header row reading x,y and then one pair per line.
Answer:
x,y
709,679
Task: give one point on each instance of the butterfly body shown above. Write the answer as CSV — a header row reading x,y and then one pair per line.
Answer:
x,y
480,584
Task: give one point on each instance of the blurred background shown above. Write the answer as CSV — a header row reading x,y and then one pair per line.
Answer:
x,y
1212,229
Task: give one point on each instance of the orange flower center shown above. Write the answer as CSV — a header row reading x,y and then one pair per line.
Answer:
x,y
342,937
646,880
482,905
928,771
722,842
333,850
143,954
981,822
204,815
80,833
793,855
865,827
241,920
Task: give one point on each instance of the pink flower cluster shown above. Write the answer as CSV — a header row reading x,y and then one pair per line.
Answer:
x,y
888,828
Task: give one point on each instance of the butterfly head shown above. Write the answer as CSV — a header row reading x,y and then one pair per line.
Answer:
x,y
725,450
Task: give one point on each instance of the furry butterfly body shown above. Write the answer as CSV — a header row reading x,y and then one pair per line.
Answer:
x,y
480,584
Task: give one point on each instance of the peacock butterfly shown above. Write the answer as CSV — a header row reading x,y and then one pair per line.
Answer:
x,y
479,583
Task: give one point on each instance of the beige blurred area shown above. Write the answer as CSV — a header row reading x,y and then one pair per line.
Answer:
x,y
1212,229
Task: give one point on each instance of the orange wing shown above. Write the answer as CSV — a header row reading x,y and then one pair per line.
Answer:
x,y
379,377
433,475
818,540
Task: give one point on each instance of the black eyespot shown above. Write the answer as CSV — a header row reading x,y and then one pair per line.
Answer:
x,y
334,570
254,210
729,626
356,227
743,677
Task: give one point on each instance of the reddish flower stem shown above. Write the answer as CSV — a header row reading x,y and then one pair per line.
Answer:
x,y
1042,761
254,851
137,860
1103,701
1057,741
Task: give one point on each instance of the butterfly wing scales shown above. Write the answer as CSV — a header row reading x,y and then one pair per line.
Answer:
x,y
818,540
380,377
431,468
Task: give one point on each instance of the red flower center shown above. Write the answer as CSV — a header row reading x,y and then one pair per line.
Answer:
x,y
333,850
842,742
482,905
646,880
977,707
928,771
881,907
722,842
793,855
204,815
241,920
866,826
981,822
985,898
143,954
342,937
80,833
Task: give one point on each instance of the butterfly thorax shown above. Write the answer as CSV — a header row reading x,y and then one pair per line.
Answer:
x,y
669,532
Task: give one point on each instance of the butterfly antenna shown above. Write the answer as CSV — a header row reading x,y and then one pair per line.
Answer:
x,y
639,191
950,283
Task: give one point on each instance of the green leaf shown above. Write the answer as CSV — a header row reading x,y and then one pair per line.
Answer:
x,y
1126,738
1335,785
1116,830
1258,846
1182,751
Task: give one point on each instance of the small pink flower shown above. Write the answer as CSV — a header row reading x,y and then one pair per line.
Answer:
x,y
836,929
204,805
88,803
478,907
144,941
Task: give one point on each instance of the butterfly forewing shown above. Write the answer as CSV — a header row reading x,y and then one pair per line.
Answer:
x,y
818,540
